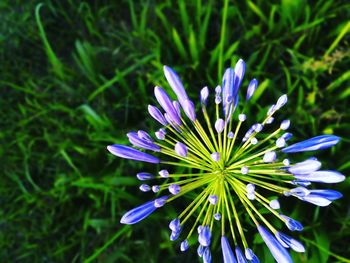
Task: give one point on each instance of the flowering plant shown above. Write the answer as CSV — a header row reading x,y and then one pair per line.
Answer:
x,y
231,172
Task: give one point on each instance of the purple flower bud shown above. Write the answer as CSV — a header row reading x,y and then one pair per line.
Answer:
x,y
204,95
305,167
313,144
181,149
189,109
275,204
270,120
329,177
286,136
249,254
136,141
174,189
217,216
184,245
207,255
258,127
145,187
131,153
280,142
215,156
219,125
242,117
213,199
159,202
285,124
175,83
164,173
292,224
144,176
218,99
250,188
244,170
218,90
281,101
204,236
300,191
269,157
175,235
160,134
164,101
144,136
157,115
230,135
177,107
227,87
271,110
286,162
240,256
251,196
321,197
276,249
200,250
155,188
174,225
137,214
287,242
253,84
254,141
227,252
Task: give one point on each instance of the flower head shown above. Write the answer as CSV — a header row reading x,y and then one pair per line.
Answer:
x,y
232,170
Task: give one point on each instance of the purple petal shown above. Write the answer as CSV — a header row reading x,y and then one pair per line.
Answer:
x,y
174,225
204,95
253,84
227,253
292,224
136,141
144,136
313,144
305,167
184,245
204,236
164,101
175,83
137,214
189,109
144,176
131,153
157,115
327,193
277,250
328,177
290,242
240,256
181,149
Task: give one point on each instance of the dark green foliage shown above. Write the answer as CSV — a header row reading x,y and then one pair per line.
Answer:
x,y
75,76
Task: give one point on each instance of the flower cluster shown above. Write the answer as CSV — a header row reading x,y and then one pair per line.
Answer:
x,y
230,172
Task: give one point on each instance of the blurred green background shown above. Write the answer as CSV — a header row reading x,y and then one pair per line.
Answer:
x,y
75,76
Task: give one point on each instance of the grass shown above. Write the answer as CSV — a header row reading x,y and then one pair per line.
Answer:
x,y
76,76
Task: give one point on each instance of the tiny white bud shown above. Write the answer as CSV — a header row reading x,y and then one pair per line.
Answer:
x,y
215,156
164,173
254,141
286,162
244,170
285,124
280,142
269,157
275,204
242,117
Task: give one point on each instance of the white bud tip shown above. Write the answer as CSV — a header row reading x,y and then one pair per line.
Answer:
x,y
242,117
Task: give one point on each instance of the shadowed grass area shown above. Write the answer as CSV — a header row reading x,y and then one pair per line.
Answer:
x,y
75,76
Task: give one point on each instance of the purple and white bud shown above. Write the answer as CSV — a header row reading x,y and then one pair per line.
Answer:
x,y
174,225
199,229
218,91
160,134
240,256
204,236
280,142
277,250
164,173
242,117
215,156
135,140
292,224
177,107
204,95
300,191
227,252
144,136
144,176
145,188
305,167
207,255
251,196
174,235
321,197
213,199
131,153
313,144
159,202
174,189
189,109
328,177
230,135
286,136
269,157
219,125
175,83
157,115
270,120
254,141
155,188
217,216
244,170
281,101
164,101
289,242
184,245
250,188
258,127
253,84
137,214
200,250
275,204
286,162
285,125
218,99
271,110
227,87
249,254
181,149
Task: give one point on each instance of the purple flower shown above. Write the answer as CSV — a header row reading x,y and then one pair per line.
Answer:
x,y
131,153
